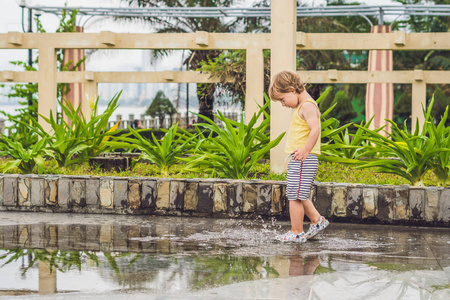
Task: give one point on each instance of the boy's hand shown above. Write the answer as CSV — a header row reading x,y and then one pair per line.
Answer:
x,y
300,154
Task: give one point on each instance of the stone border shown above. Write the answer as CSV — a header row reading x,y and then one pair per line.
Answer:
x,y
221,198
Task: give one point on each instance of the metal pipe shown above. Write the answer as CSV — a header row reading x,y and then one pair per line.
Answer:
x,y
30,51
30,29
380,16
187,105
218,12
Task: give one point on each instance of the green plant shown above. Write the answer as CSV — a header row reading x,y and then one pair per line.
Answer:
x,y
28,110
29,91
93,131
18,130
333,137
232,64
164,153
346,112
441,135
231,151
78,139
345,147
223,269
62,261
24,159
329,125
63,144
409,155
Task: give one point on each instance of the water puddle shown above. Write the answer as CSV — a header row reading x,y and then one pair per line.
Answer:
x,y
190,258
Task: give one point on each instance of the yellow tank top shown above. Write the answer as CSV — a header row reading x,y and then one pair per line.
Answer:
x,y
299,132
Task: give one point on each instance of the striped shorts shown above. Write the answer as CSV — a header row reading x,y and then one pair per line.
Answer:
x,y
299,187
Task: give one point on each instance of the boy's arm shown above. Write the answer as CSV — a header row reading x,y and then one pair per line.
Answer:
x,y
311,115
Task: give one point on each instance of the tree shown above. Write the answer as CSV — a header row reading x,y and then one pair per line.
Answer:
x,y
205,92
232,63
424,60
160,107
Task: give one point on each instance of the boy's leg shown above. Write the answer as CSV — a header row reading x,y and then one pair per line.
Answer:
x,y
310,266
311,211
296,266
318,223
296,213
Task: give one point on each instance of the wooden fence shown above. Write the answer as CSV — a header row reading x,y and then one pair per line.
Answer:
x,y
47,75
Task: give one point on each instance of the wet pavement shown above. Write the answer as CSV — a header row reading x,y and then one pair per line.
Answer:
x,y
72,256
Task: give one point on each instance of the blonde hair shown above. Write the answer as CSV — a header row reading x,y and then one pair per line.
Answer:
x,y
285,82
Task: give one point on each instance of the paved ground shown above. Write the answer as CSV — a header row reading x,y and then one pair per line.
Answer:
x,y
200,258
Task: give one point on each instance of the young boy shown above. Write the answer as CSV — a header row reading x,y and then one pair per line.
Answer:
x,y
303,145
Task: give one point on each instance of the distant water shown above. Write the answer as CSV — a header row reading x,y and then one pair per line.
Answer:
x,y
125,111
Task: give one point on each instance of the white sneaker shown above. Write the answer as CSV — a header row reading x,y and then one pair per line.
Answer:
x,y
314,229
291,237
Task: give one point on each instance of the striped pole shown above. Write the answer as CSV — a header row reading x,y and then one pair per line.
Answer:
x,y
380,96
76,90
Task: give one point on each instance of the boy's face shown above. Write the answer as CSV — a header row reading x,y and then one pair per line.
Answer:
x,y
289,100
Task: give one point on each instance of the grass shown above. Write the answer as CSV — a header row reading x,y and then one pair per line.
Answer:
x,y
328,172
335,172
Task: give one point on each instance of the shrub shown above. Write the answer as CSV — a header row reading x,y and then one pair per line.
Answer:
x,y
234,149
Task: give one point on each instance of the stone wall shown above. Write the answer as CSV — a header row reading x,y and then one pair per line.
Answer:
x,y
221,198
86,237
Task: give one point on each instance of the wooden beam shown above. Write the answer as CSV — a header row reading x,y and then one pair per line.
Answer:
x,y
317,77
232,41
107,40
136,77
18,76
363,77
371,41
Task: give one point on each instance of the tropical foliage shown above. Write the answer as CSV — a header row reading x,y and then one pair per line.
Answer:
x,y
423,60
231,150
441,136
232,64
29,91
344,147
79,138
94,131
63,261
351,97
26,159
163,154
69,142
409,154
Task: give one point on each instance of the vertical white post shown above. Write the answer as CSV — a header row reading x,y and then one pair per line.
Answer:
x,y
90,88
283,56
47,86
47,279
254,83
419,95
